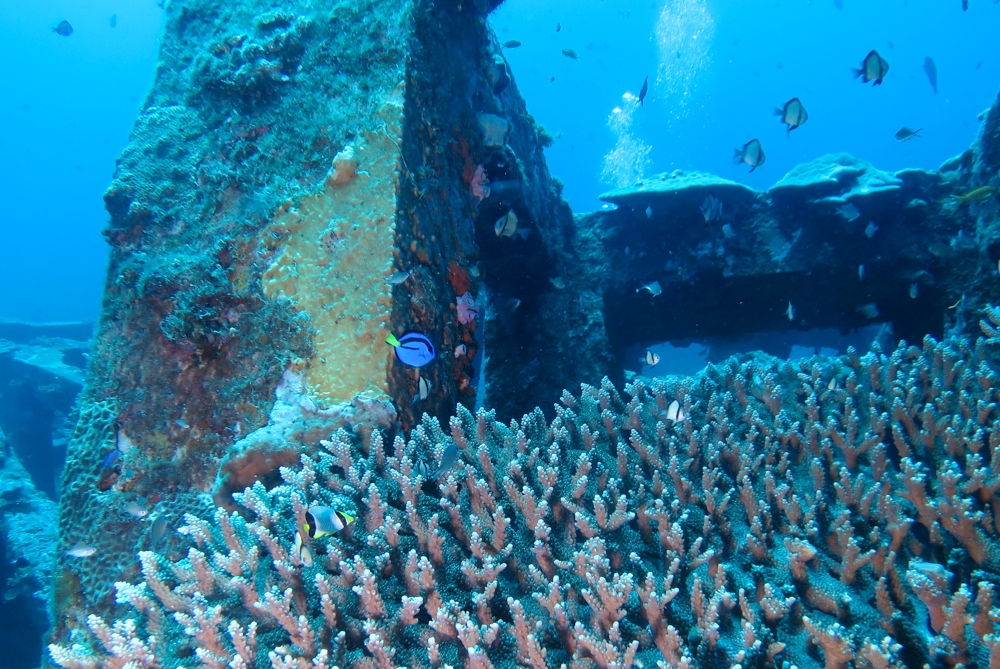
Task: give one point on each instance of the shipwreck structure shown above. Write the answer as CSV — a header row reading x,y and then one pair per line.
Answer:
x,y
301,184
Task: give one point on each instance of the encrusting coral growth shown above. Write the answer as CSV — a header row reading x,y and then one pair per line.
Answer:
x,y
838,512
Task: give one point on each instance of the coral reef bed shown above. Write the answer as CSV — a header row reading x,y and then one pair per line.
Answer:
x,y
838,512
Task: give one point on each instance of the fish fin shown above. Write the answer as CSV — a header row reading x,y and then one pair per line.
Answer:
x,y
753,167
857,73
523,233
788,132
737,156
779,112
392,341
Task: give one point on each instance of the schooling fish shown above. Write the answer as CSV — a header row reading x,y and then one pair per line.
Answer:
x,y
397,278
871,229
793,115
557,282
643,90
653,288
977,195
790,312
423,390
322,520
931,69
905,133
752,154
448,459
511,44
64,28
569,53
873,68
413,348
651,358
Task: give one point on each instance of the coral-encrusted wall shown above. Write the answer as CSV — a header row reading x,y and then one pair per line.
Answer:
x,y
283,166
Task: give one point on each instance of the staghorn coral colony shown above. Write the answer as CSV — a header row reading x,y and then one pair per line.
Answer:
x,y
836,512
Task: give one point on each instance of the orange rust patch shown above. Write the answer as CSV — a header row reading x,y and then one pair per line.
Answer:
x,y
458,277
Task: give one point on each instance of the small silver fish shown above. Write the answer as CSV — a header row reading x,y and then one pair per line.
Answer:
x,y
423,390
649,212
81,551
790,312
861,272
423,468
557,282
651,358
914,291
871,229
511,305
157,529
653,288
905,133
727,231
711,209
506,226
448,459
135,509
752,154
675,413
397,278
873,68
301,551
793,114
848,211
869,310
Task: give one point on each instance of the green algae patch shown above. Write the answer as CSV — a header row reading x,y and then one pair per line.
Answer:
x,y
336,250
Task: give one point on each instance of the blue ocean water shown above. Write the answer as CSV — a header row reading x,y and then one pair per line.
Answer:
x,y
716,68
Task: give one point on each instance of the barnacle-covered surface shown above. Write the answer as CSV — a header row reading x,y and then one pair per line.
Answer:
x,y
838,512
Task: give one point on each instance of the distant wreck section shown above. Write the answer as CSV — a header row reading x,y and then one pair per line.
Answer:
x,y
835,244
300,185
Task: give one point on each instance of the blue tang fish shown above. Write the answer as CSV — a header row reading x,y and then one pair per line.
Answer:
x,y
413,348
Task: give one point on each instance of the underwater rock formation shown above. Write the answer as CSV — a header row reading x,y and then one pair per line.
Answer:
x,y
42,369
836,243
27,546
285,165
838,512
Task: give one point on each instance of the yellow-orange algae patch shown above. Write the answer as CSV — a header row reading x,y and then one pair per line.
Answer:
x,y
337,252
